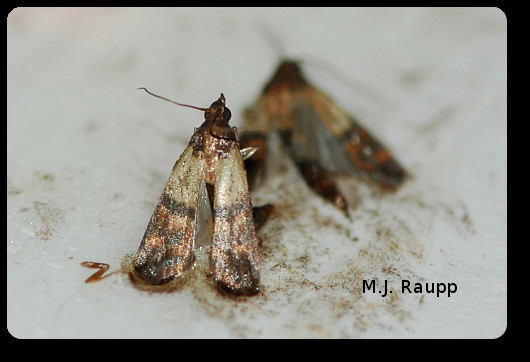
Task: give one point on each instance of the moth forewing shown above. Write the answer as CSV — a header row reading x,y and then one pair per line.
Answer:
x,y
234,259
313,142
366,156
372,160
166,250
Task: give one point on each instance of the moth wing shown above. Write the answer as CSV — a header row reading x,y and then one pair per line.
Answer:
x,y
328,135
314,141
234,258
167,247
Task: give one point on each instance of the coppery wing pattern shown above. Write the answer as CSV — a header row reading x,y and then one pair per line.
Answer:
x,y
166,250
234,261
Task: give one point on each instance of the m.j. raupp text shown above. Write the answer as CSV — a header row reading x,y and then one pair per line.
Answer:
x,y
440,289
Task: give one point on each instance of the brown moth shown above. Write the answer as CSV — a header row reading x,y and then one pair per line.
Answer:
x,y
321,137
211,168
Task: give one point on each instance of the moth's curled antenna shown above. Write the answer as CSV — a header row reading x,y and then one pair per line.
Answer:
x,y
341,76
169,100
267,32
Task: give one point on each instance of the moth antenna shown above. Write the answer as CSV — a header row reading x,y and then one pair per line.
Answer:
x,y
341,76
169,100
265,30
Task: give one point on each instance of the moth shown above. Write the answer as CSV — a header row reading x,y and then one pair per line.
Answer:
x,y
322,139
208,178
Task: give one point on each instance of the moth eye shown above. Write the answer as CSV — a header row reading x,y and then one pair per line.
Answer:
x,y
227,114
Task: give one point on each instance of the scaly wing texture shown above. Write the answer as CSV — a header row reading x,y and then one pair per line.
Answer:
x,y
166,250
234,256
366,155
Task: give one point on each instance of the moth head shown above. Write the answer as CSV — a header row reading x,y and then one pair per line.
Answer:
x,y
219,116
218,112
288,75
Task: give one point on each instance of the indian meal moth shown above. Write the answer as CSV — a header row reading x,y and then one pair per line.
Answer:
x,y
321,137
211,168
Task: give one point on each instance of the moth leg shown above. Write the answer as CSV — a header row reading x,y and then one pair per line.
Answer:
x,y
255,165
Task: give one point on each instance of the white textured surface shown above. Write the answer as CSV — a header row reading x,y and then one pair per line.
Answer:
x,y
88,156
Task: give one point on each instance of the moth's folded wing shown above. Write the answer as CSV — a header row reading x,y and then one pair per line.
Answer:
x,y
339,144
234,260
313,141
166,250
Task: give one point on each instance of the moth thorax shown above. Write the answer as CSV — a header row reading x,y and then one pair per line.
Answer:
x,y
223,131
